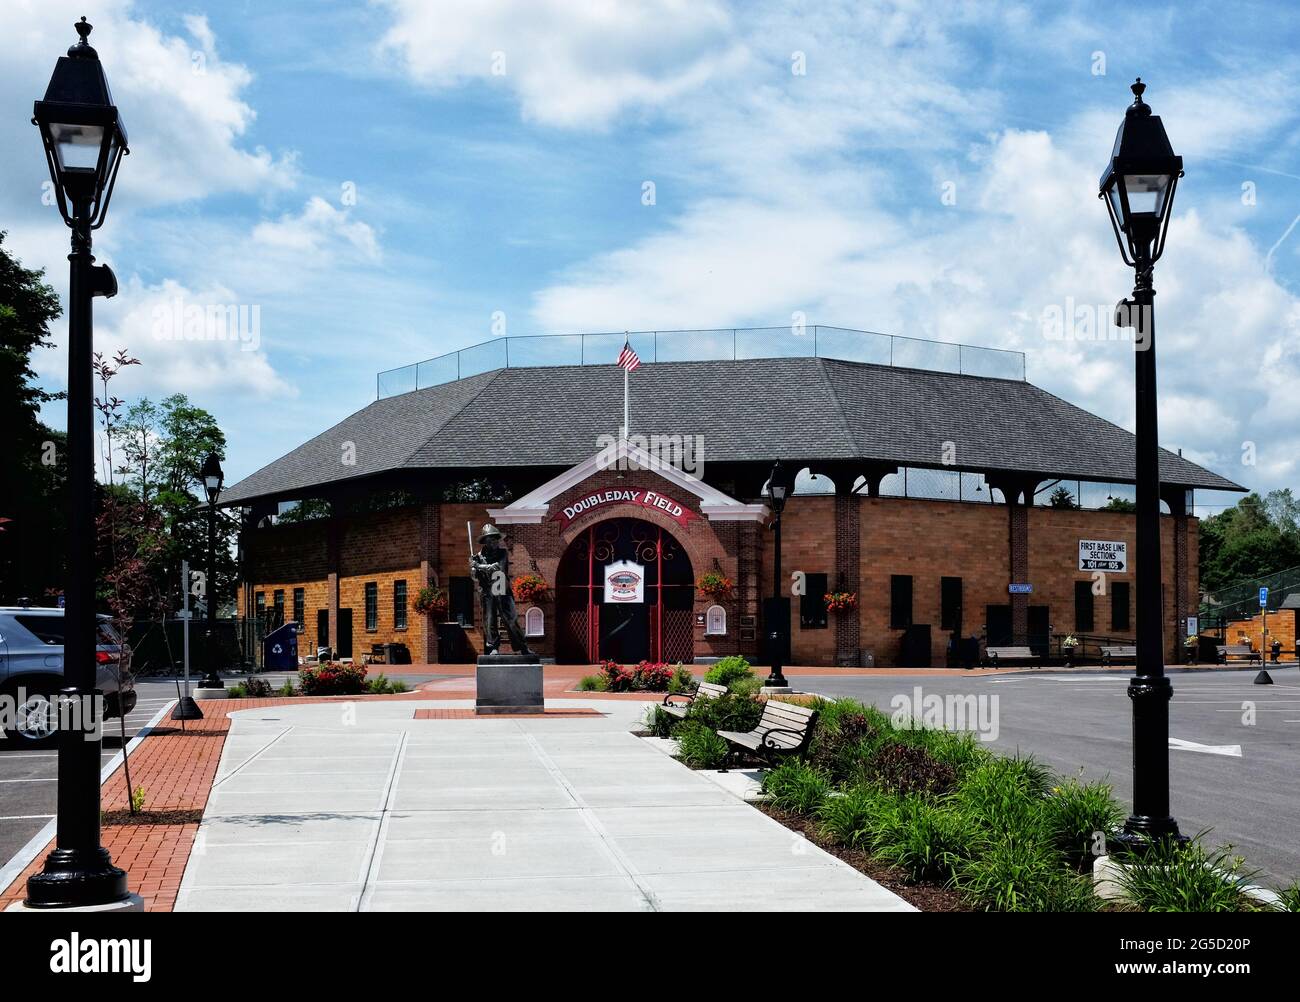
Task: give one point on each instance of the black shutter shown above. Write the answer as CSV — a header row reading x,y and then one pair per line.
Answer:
x,y
812,604
1119,606
1083,618
950,604
900,601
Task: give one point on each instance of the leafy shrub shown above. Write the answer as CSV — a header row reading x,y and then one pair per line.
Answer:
x,y
726,713
381,685
593,683
909,769
1074,812
1171,877
652,676
728,670
287,689
858,818
1003,794
926,841
1018,873
332,678
682,680
844,748
235,691
745,687
796,786
659,723
700,747
256,687
648,676
1290,897
961,751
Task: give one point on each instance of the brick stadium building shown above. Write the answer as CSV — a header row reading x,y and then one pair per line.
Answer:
x,y
922,492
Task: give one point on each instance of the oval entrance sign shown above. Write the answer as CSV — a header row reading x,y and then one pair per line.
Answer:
x,y
624,582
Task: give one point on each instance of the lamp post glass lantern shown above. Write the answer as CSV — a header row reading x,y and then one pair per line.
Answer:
x,y
213,477
84,142
778,611
1138,187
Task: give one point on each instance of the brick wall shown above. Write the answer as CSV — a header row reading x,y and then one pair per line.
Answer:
x,y
925,539
1281,626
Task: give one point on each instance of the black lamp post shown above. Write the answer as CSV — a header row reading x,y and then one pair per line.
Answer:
x,y
1138,189
213,477
778,610
84,142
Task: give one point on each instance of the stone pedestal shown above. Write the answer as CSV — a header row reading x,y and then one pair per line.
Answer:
x,y
509,683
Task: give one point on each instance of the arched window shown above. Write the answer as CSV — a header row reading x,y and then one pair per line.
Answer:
x,y
534,622
715,621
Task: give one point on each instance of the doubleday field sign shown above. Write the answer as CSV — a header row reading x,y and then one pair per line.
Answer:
x,y
1102,555
644,499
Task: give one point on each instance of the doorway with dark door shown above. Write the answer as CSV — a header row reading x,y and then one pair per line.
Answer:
x,y
658,628
322,629
345,633
1040,630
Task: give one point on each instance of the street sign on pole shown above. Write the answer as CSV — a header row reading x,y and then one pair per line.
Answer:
x,y
1263,598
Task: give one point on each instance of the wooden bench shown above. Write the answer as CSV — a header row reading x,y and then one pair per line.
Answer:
x,y
1109,654
1226,651
705,690
784,729
997,656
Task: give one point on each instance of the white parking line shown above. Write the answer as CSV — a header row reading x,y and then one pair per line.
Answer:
x,y
28,817
50,780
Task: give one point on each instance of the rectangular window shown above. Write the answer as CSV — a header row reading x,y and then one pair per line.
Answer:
x,y
277,597
460,601
1119,607
259,602
399,605
299,606
812,604
900,601
950,603
372,606
1083,619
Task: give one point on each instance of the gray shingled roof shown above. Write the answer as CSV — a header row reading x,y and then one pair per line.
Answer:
x,y
747,410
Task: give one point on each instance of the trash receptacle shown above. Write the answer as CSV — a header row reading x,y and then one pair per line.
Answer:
x,y
280,648
397,654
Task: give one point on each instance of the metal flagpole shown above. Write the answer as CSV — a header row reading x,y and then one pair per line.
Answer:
x,y
625,428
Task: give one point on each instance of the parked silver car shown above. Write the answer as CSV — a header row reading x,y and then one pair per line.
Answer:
x,y
31,660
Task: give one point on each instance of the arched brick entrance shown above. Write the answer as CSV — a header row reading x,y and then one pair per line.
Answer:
x,y
659,629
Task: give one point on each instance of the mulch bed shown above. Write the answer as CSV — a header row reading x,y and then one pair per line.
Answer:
x,y
173,817
927,897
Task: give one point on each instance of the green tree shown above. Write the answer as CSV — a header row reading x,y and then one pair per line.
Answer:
x,y
1258,536
33,555
1061,498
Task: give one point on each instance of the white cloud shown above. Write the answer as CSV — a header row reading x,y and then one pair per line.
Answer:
x,y
321,231
573,65
182,104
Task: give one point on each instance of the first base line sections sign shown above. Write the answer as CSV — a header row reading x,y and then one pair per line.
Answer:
x,y
1103,555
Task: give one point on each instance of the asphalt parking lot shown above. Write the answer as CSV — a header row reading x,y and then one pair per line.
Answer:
x,y
28,779
1234,759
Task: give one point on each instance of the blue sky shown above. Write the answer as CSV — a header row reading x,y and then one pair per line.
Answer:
x,y
932,172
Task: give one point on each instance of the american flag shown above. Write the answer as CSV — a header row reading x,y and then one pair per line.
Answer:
x,y
628,359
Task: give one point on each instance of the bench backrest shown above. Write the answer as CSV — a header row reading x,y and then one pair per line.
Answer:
x,y
710,690
787,717
1121,652
1010,652
1237,649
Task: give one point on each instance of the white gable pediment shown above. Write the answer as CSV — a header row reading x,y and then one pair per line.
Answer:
x,y
716,505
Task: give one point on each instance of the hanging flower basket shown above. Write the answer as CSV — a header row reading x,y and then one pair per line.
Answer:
x,y
529,587
715,585
841,601
430,600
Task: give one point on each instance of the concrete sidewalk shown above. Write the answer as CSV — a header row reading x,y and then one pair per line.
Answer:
x,y
359,806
